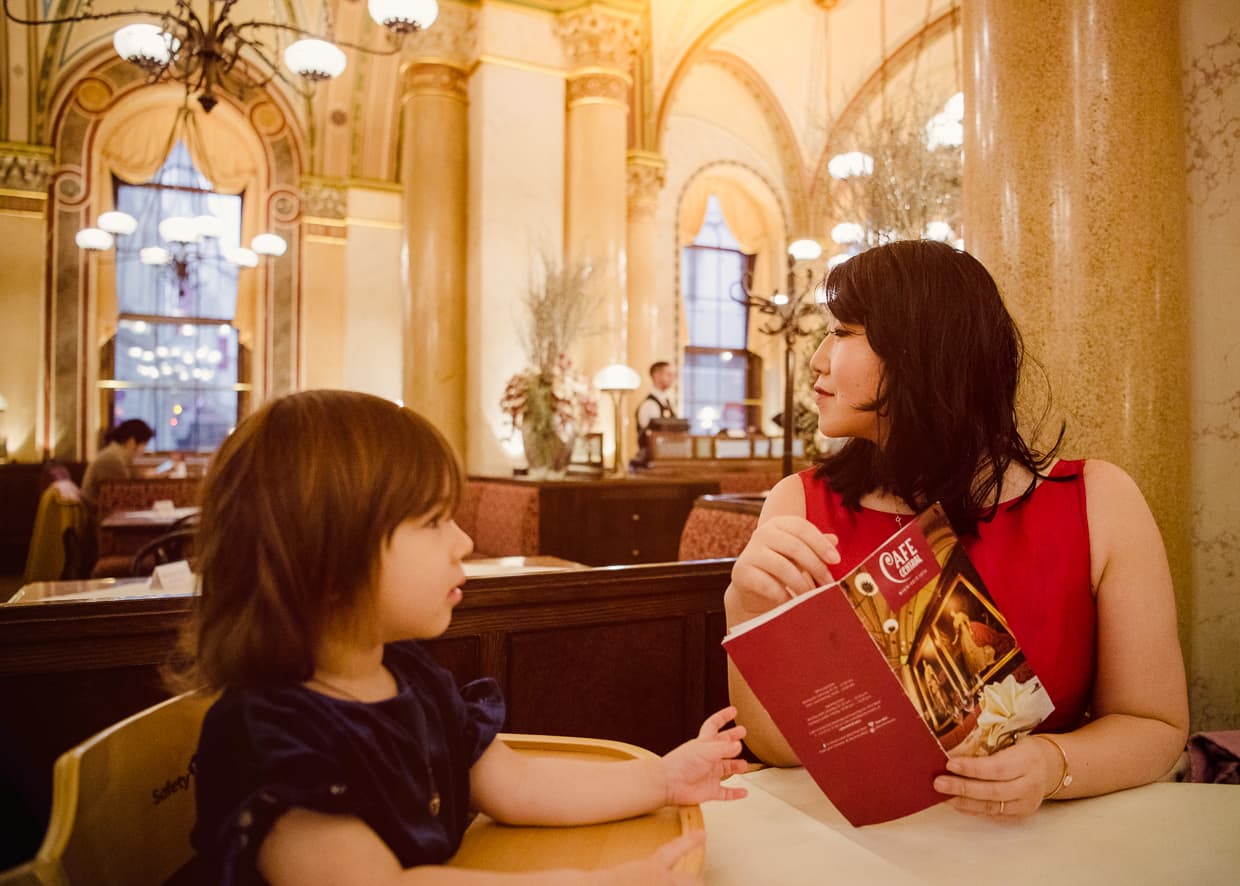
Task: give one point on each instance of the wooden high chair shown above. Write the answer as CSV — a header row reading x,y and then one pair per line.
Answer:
x,y
123,801
123,809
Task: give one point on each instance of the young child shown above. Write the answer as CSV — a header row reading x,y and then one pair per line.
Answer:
x,y
339,751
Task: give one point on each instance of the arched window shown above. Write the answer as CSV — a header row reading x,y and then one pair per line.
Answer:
x,y
174,363
721,376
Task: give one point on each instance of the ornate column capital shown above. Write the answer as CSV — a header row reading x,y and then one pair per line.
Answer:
x,y
450,41
646,175
435,78
25,167
598,38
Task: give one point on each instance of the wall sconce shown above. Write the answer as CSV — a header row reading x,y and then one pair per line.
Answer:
x,y
617,380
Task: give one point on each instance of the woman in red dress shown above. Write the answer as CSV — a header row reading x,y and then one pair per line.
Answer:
x,y
919,368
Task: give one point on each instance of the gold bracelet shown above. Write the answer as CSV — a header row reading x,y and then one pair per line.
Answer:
x,y
1066,778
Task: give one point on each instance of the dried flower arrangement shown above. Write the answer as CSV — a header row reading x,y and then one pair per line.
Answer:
x,y
551,402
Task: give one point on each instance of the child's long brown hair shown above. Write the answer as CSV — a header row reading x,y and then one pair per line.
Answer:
x,y
297,504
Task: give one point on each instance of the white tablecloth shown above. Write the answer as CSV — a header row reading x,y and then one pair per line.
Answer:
x,y
786,833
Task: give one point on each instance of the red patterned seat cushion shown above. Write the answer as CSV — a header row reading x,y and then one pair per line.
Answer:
x,y
711,533
467,508
506,522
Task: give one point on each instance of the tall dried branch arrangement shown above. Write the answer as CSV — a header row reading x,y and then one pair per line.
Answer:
x,y
560,306
912,183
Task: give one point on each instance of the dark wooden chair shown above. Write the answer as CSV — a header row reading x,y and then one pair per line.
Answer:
x,y
176,544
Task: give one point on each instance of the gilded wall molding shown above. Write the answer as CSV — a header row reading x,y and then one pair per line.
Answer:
x,y
595,37
321,200
791,160
24,167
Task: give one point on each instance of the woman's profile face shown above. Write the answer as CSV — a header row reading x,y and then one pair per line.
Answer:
x,y
848,375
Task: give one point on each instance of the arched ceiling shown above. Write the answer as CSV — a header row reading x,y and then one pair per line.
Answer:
x,y
805,59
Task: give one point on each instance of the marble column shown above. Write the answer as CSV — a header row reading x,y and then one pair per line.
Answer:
x,y
647,325
599,45
1074,198
434,173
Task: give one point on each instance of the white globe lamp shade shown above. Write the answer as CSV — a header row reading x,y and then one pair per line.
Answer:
x,y
242,257
617,377
804,249
154,255
269,244
145,45
847,232
939,230
118,223
954,107
836,260
315,59
404,16
209,226
850,163
94,239
179,229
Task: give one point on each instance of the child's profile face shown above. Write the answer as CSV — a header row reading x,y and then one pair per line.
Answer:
x,y
420,578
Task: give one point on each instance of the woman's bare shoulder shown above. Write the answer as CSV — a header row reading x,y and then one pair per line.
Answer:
x,y
787,498
1108,484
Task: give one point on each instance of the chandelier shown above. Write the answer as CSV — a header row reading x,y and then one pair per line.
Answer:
x,y
214,54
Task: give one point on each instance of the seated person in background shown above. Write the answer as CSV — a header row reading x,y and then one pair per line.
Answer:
x,y
125,442
658,404
339,750
919,368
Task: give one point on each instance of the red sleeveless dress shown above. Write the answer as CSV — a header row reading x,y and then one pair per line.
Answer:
x,y
1034,559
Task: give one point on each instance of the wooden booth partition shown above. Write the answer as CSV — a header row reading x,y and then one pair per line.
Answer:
x,y
629,653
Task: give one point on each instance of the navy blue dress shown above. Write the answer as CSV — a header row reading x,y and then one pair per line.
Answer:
x,y
264,750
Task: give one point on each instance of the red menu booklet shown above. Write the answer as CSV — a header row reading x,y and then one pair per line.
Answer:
x,y
876,678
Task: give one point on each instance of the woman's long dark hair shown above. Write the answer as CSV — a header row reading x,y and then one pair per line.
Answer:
x,y
952,358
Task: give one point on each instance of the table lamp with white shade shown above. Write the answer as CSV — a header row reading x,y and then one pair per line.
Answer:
x,y
617,380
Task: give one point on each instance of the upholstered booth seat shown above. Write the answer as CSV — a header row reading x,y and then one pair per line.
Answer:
x,y
501,518
719,526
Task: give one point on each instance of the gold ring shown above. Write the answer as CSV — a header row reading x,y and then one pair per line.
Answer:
x,y
1002,803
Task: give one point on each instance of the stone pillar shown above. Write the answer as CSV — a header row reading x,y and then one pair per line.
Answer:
x,y
1074,198
599,45
434,163
24,174
647,326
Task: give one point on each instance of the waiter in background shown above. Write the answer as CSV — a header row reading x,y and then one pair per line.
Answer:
x,y
658,404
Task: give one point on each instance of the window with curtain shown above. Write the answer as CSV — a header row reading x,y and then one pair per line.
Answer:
x,y
721,377
175,355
